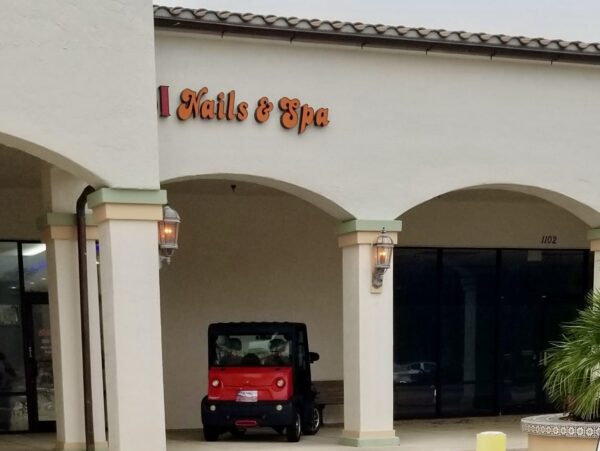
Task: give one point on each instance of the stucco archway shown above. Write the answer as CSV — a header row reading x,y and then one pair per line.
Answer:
x,y
248,252
471,216
584,210
488,270
38,190
52,157
328,206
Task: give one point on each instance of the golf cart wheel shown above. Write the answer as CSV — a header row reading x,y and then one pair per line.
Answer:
x,y
294,430
211,434
314,424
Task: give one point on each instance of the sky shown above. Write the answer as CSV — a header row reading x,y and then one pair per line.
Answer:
x,y
571,20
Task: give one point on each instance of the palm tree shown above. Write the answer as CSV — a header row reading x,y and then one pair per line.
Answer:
x,y
572,375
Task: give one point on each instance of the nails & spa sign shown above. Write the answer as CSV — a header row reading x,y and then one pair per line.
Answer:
x,y
224,106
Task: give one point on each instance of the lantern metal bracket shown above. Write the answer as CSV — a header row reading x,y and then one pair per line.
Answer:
x,y
378,277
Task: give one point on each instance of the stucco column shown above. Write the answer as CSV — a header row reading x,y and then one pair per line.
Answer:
x,y
127,226
594,238
368,338
59,234
63,292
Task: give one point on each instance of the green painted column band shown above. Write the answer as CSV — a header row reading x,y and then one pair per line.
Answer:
x,y
362,442
593,234
60,219
368,225
127,196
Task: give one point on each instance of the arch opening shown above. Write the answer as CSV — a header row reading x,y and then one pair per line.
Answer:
x,y
23,276
248,252
484,277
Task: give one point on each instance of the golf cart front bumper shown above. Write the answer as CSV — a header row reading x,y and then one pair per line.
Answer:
x,y
247,414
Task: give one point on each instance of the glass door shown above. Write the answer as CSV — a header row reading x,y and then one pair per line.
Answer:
x,y
467,332
416,333
540,290
565,279
520,341
40,386
38,346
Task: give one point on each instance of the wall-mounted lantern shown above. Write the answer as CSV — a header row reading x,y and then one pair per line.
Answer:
x,y
383,248
168,233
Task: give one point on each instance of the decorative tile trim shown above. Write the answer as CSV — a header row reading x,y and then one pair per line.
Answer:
x,y
555,426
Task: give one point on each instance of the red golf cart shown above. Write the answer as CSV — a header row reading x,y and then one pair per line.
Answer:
x,y
259,376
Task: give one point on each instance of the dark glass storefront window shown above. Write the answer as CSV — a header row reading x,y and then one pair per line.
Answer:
x,y
539,290
466,338
471,326
415,340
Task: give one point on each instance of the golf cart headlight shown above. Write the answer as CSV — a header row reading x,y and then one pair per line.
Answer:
x,y
213,408
280,382
215,383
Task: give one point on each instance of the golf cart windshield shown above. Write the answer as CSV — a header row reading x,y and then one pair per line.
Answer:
x,y
270,349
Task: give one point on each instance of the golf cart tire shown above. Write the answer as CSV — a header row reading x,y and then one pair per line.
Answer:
x,y
294,430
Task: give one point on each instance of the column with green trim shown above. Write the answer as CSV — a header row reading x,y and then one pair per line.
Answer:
x,y
368,337
594,238
129,265
58,232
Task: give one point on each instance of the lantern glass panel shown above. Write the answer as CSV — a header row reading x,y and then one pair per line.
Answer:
x,y
167,233
383,256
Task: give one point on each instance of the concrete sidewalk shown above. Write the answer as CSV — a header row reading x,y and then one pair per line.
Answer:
x,y
415,435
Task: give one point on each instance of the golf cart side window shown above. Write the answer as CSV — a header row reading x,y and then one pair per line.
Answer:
x,y
271,349
301,348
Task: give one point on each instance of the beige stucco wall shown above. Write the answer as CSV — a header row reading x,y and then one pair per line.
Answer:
x,y
78,87
491,218
258,256
405,126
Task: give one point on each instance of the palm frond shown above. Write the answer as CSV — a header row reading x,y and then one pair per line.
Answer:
x,y
572,374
